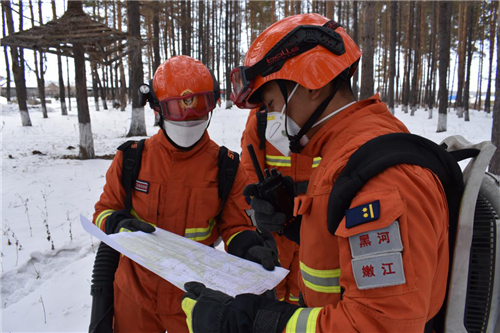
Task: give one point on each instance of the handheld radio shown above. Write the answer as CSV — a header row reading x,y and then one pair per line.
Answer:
x,y
271,188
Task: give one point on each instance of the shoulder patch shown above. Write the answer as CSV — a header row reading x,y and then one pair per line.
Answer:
x,y
379,271
377,241
362,214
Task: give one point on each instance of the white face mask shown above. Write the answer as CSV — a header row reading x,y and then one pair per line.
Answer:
x,y
275,130
185,133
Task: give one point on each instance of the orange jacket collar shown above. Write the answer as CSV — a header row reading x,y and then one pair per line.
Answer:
x,y
326,137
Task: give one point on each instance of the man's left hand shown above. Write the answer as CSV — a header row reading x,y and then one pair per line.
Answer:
x,y
212,311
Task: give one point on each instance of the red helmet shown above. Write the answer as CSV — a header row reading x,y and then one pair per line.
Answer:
x,y
182,88
308,49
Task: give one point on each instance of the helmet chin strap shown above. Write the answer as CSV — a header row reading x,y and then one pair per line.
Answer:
x,y
295,146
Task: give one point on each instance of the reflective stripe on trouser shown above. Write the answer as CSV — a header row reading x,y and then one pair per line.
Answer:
x,y
303,320
102,216
282,161
200,234
316,161
322,281
292,298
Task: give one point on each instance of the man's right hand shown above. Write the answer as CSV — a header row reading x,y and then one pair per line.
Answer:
x,y
121,220
266,217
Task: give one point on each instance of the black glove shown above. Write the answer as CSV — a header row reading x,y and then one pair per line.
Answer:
x,y
266,217
215,312
121,219
204,308
259,247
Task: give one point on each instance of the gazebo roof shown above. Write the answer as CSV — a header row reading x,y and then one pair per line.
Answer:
x,y
99,41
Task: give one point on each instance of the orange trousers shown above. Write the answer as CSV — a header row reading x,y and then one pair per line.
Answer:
x,y
130,318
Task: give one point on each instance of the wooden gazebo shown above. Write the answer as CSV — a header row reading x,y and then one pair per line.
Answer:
x,y
99,41
76,35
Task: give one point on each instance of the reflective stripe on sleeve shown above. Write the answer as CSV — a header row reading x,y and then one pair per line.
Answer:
x,y
316,161
100,218
293,298
200,234
282,161
231,238
303,321
133,212
323,281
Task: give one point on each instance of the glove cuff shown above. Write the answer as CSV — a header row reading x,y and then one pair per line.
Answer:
x,y
243,241
268,315
292,232
114,219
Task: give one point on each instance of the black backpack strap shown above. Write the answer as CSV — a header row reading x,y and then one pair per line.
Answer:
x,y
389,150
261,126
228,162
132,155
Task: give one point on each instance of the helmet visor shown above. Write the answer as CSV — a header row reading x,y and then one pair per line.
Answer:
x,y
188,106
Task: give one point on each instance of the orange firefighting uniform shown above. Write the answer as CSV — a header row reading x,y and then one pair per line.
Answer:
x,y
348,293
182,197
298,167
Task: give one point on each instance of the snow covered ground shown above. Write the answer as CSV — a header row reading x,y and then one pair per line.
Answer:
x,y
46,257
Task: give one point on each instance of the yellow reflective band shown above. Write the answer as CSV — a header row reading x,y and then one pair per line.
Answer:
x,y
323,281
102,216
303,321
322,289
278,160
200,234
291,325
313,319
281,299
331,273
231,238
316,161
188,306
133,212
293,298
270,118
124,230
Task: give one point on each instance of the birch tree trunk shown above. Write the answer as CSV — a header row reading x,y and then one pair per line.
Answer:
x,y
86,138
355,37
495,132
368,40
487,103
95,89
138,124
470,37
392,70
462,28
41,79
414,86
17,69
6,56
444,61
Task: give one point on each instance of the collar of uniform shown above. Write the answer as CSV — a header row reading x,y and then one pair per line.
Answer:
x,y
319,142
178,154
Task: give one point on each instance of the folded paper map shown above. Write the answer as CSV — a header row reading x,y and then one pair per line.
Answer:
x,y
179,260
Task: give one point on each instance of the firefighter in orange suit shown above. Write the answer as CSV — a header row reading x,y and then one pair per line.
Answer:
x,y
384,268
299,168
176,190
